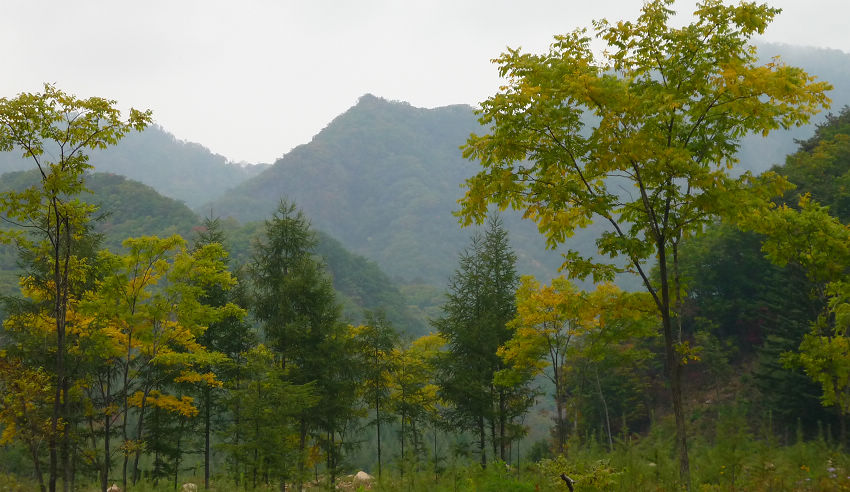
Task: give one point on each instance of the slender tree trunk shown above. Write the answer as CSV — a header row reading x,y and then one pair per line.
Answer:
x,y
107,427
139,433
179,451
378,426
237,424
125,392
482,444
560,417
502,426
605,408
674,368
302,446
402,441
65,448
436,457
493,438
59,305
207,405
332,459
37,464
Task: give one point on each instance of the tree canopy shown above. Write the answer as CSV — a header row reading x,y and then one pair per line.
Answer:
x,y
668,107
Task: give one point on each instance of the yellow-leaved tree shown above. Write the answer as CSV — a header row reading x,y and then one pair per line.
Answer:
x,y
641,139
54,131
149,309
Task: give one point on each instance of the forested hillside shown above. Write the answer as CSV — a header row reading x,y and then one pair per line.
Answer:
x,y
127,208
384,178
181,170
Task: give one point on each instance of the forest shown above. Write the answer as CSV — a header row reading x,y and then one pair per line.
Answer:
x,y
692,335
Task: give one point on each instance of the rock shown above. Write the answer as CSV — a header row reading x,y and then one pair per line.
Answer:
x,y
362,476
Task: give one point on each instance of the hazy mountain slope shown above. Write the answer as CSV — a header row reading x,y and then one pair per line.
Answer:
x,y
383,178
182,170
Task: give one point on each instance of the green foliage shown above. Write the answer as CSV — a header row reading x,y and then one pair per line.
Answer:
x,y
670,105
362,285
268,407
478,307
50,222
295,303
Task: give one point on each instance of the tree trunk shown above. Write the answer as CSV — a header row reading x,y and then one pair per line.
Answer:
x,y
59,309
482,442
378,425
402,441
126,404
177,457
493,437
674,368
207,405
436,460
139,433
502,426
605,408
37,465
107,426
302,446
67,468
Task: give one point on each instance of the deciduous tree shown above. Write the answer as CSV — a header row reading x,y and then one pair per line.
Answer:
x,y
55,130
640,138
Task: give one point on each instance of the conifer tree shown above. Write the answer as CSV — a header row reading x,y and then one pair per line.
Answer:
x,y
479,305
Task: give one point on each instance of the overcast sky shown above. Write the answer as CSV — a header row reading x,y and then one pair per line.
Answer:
x,y
251,79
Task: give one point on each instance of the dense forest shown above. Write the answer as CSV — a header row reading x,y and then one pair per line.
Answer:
x,y
643,299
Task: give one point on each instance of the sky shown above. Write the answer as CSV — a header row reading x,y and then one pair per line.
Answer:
x,y
251,79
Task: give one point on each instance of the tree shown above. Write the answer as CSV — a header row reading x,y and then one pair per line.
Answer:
x,y
149,306
414,393
557,326
375,342
230,336
640,139
818,242
54,130
547,320
270,408
295,302
478,307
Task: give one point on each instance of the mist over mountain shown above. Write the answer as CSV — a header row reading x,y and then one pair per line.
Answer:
x,y
181,170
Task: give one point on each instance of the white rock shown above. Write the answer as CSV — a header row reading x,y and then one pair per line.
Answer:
x,y
362,476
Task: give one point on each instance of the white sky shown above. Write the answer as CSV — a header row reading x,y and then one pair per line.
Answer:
x,y
251,79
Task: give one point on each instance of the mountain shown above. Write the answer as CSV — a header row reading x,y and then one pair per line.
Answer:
x,y
181,170
384,178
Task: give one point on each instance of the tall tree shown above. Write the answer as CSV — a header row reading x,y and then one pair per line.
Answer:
x,y
640,138
149,305
54,130
479,305
375,341
295,302
229,336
